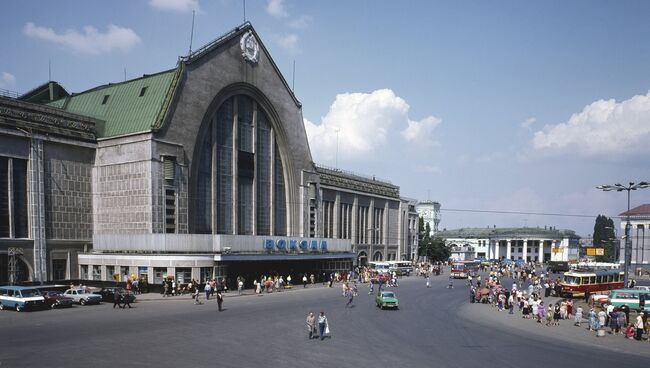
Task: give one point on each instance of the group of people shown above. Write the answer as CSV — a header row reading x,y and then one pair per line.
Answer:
x,y
321,323
531,306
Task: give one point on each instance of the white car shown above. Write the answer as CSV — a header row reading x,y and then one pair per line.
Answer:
x,y
83,296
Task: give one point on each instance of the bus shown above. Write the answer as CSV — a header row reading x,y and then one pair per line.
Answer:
x,y
379,267
633,298
401,267
462,270
577,282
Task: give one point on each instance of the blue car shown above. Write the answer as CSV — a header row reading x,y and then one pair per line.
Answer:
x,y
20,298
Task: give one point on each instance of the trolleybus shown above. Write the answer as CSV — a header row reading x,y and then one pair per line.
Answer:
x,y
577,282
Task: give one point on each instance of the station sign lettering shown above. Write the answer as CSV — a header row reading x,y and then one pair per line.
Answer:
x,y
283,244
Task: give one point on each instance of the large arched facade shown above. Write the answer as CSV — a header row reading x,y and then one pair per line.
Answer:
x,y
239,177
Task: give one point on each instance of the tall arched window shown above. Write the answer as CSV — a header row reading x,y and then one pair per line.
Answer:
x,y
240,176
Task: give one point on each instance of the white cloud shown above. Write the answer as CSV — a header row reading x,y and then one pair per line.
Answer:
x,y
276,8
603,128
420,131
7,80
289,42
179,6
526,124
363,122
91,41
302,22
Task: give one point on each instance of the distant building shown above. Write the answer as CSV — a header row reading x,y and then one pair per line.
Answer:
x,y
531,244
640,222
430,213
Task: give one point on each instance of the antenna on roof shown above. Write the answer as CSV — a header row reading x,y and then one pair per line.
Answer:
x,y
49,70
125,74
191,33
244,11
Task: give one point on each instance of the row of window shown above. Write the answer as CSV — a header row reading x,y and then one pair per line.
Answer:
x,y
181,275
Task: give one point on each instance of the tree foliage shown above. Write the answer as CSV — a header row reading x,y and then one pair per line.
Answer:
x,y
433,248
604,237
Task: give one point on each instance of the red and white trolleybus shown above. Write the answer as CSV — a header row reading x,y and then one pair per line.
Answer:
x,y
577,282
461,270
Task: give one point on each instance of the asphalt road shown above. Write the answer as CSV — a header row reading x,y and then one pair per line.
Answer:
x,y
433,327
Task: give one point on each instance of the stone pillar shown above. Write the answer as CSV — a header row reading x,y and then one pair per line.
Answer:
x,y
525,254
508,249
336,217
355,220
497,245
36,192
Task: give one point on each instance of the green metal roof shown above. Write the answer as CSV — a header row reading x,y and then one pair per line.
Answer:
x,y
137,105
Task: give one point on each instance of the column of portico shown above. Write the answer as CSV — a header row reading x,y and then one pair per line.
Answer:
x,y
337,217
497,244
523,256
508,251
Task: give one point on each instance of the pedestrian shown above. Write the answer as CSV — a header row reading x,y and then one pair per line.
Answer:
x,y
311,325
601,319
451,283
350,299
240,286
428,283
592,319
540,311
304,280
629,331
219,299
208,290
578,316
117,298
323,326
549,315
126,300
638,326
557,314
195,296
371,287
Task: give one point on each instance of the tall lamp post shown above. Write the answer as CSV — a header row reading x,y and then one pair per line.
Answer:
x,y
628,242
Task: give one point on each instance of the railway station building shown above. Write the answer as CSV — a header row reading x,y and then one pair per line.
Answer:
x,y
200,171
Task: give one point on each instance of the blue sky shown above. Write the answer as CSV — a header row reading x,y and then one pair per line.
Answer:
x,y
499,105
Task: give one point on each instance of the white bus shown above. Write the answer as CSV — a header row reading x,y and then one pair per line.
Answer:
x,y
380,267
401,267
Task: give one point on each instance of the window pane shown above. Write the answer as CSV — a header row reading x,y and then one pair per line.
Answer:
x,y
204,186
224,167
280,211
20,198
4,198
263,166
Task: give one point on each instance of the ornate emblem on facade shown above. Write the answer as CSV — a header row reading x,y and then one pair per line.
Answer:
x,y
250,49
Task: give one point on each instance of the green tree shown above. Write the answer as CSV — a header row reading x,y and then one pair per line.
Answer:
x,y
604,237
434,248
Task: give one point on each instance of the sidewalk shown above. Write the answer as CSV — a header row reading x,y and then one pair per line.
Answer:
x,y
230,294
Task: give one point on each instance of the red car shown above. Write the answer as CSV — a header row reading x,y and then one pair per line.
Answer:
x,y
55,299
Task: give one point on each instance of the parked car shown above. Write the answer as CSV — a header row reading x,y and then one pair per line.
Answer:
x,y
20,298
56,299
108,294
83,296
387,299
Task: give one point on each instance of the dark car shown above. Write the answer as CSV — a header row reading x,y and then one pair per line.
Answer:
x,y
108,294
56,299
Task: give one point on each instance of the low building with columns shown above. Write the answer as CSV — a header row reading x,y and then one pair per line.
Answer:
x,y
640,238
530,244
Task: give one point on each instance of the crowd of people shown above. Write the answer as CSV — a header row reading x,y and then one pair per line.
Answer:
x,y
525,295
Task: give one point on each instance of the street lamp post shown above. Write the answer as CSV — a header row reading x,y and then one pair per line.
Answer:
x,y
628,243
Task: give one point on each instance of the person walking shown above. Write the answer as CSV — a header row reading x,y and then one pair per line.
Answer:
x,y
219,299
126,300
304,281
323,326
208,290
428,282
195,296
117,298
557,314
350,299
592,319
311,325
240,286
578,317
638,325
